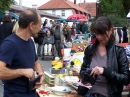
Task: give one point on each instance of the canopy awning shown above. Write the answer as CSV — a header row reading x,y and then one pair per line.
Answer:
x,y
2,14
63,19
13,15
128,15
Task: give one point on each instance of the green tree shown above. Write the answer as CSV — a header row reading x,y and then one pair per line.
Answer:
x,y
4,4
126,4
114,9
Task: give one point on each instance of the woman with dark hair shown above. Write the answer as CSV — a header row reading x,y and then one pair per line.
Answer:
x,y
107,63
45,22
44,27
6,28
41,35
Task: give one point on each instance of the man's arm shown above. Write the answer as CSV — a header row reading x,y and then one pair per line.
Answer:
x,y
38,67
40,70
77,28
8,74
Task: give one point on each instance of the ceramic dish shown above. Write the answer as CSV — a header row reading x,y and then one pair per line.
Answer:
x,y
61,90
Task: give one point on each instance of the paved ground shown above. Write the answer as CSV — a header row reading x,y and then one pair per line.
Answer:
x,y
47,65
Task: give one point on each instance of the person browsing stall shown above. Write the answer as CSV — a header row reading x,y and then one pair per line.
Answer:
x,y
6,28
107,60
18,59
81,27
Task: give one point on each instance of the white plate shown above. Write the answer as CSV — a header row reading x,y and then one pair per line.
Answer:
x,y
61,90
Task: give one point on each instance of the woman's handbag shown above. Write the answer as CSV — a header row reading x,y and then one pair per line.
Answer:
x,y
87,78
82,90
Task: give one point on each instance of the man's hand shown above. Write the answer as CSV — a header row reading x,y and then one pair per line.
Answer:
x,y
38,84
29,73
80,32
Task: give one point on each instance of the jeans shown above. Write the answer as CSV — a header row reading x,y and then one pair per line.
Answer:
x,y
58,47
93,95
39,49
89,95
47,49
97,95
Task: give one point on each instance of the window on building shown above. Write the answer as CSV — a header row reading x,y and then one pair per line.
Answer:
x,y
63,13
53,12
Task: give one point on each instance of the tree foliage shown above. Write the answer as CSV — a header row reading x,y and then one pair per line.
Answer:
x,y
112,7
126,4
115,10
4,4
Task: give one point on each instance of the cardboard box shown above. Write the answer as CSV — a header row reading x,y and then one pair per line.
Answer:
x,y
75,45
53,71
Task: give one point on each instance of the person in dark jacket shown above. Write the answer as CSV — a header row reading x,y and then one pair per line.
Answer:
x,y
125,36
81,28
67,30
6,28
39,40
119,34
108,62
58,40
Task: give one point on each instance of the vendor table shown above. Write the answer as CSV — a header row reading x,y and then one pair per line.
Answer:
x,y
126,90
51,93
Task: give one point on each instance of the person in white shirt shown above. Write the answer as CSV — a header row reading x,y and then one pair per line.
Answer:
x,y
116,36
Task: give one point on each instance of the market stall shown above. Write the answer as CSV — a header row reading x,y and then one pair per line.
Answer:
x,y
62,79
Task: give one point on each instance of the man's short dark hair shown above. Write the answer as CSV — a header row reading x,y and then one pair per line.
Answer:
x,y
26,17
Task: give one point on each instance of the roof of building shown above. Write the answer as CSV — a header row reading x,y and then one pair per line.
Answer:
x,y
61,4
90,7
42,13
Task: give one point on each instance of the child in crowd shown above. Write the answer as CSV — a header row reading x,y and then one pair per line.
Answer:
x,y
48,41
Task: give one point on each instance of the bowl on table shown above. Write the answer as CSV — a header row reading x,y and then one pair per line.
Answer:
x,y
61,90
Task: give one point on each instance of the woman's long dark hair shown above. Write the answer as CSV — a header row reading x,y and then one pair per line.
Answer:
x,y
45,22
57,26
101,25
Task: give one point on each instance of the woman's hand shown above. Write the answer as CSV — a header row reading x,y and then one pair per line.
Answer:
x,y
97,71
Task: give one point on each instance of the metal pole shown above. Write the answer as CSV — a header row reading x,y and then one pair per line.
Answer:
x,y
129,35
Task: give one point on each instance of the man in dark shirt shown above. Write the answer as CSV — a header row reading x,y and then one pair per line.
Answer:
x,y
18,59
81,28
